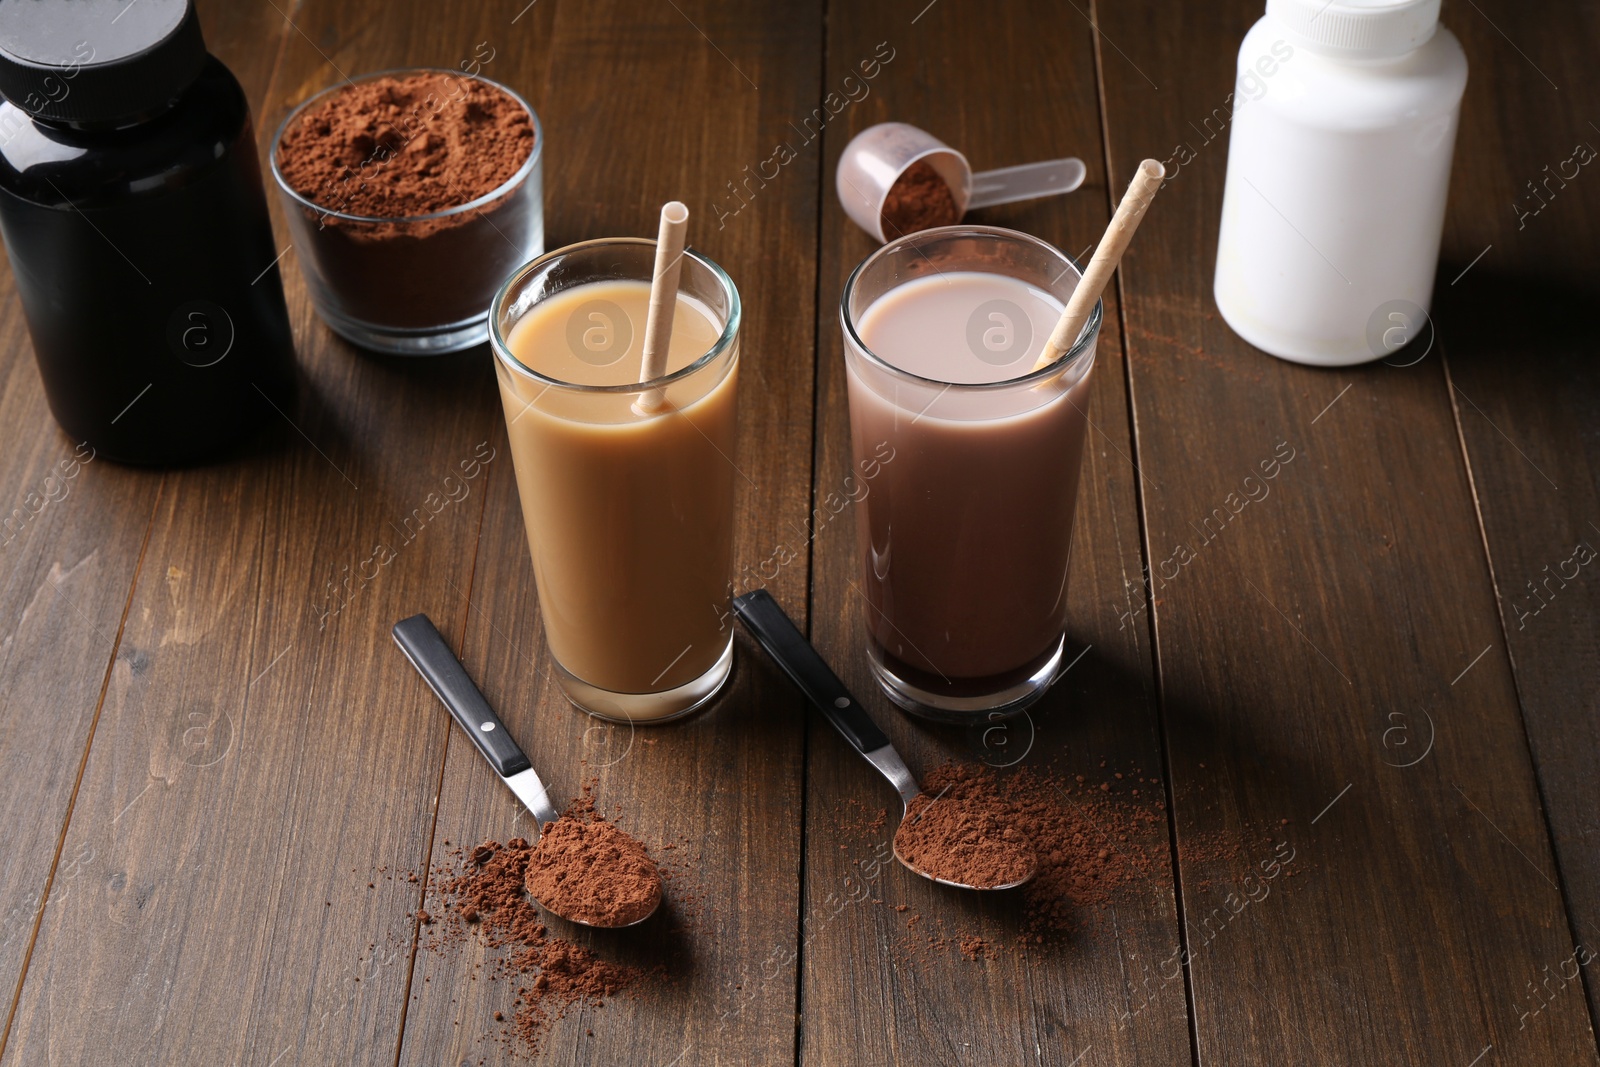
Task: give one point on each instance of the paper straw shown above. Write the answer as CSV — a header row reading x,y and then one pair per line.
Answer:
x,y
1146,183
663,301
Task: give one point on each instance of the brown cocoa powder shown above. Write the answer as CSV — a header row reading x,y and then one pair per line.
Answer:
x,y
390,150
551,975
964,833
398,147
974,947
918,200
1086,842
1097,842
587,870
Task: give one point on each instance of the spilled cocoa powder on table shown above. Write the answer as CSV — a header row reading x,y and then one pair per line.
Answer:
x,y
1091,840
1080,843
481,894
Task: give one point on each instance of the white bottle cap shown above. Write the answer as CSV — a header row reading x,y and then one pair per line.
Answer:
x,y
1357,29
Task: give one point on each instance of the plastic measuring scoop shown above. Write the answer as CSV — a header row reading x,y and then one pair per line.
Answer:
x,y
876,157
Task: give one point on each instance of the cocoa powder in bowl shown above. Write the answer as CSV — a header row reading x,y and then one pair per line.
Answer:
x,y
374,163
587,870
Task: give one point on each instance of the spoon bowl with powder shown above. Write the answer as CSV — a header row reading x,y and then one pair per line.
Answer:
x,y
583,869
942,839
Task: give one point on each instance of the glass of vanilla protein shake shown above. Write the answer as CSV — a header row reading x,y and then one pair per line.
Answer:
x,y
626,486
965,538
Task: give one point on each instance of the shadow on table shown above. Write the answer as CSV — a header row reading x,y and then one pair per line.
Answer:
x,y
1100,718
661,943
392,387
1490,315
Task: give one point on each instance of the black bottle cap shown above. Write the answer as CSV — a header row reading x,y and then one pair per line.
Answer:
x,y
97,61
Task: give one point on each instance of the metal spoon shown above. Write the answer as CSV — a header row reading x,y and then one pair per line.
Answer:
x,y
422,643
789,648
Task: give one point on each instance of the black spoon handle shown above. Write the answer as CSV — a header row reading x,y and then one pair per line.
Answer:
x,y
422,643
785,644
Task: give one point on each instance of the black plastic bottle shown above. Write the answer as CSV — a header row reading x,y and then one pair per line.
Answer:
x,y
133,212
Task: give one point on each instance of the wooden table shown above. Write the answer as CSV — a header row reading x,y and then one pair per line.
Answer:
x,y
210,746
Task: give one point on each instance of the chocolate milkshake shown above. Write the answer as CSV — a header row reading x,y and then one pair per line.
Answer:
x,y
966,537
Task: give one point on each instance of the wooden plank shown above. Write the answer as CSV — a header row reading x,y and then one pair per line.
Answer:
x,y
69,547
679,117
263,753
873,992
1308,646
1515,292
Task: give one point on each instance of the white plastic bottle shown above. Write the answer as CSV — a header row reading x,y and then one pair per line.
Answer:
x,y
1344,125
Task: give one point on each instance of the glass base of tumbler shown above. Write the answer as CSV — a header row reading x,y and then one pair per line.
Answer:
x,y
403,341
975,704
648,709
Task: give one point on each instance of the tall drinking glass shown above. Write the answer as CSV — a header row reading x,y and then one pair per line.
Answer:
x,y
966,535
626,486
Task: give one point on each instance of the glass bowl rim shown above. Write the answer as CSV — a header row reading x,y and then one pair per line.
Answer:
x,y
487,198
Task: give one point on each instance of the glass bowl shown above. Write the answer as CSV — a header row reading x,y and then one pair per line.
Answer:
x,y
421,284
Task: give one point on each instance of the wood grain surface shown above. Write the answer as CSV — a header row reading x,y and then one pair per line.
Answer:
x,y
256,765
1311,642
679,120
1518,281
875,989
216,770
71,538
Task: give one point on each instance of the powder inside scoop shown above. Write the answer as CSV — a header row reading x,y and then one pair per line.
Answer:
x,y
918,200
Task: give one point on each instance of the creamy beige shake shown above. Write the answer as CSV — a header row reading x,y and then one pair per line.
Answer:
x,y
629,514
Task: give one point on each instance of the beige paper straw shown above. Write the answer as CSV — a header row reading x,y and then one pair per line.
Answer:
x,y
663,302
1146,183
